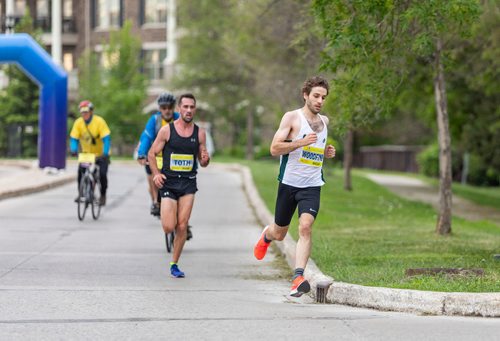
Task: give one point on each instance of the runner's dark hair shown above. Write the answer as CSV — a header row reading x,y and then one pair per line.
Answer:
x,y
187,95
314,82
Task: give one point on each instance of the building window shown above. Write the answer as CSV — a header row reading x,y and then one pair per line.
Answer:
x,y
67,8
68,61
68,22
155,11
42,15
42,9
19,8
153,63
107,14
106,60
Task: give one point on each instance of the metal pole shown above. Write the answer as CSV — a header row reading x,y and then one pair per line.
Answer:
x,y
171,41
56,31
465,168
9,16
87,24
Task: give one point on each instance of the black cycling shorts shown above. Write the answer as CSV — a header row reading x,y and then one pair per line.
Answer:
x,y
148,170
176,187
289,197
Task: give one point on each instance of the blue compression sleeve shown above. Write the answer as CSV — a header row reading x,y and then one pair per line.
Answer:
x,y
73,145
107,144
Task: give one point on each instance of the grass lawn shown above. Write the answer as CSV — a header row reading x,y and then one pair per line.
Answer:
x,y
370,236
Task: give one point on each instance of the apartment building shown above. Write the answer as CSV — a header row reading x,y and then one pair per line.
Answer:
x,y
86,24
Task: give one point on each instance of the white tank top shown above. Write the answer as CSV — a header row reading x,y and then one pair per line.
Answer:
x,y
303,167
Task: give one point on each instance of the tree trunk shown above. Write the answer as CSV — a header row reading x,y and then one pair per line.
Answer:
x,y
443,226
348,151
250,131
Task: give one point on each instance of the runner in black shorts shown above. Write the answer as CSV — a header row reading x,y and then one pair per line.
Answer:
x,y
182,143
301,143
289,198
176,187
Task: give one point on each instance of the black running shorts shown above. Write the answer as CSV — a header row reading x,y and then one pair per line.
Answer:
x,y
148,170
176,187
289,197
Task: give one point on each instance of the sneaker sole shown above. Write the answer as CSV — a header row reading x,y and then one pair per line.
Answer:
x,y
303,288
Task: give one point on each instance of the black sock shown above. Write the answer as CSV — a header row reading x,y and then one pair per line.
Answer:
x,y
267,240
298,272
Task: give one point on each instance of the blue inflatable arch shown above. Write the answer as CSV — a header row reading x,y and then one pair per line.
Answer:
x,y
53,81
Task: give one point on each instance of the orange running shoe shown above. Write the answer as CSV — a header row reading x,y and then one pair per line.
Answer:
x,y
260,249
300,286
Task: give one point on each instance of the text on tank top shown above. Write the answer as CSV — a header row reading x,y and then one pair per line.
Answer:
x,y
180,153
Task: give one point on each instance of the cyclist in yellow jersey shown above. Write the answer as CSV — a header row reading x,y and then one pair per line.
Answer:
x,y
92,133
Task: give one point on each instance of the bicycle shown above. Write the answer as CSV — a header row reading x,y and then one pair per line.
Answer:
x,y
88,194
169,238
169,241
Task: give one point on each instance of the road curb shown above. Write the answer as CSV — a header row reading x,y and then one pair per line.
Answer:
x,y
45,180
402,300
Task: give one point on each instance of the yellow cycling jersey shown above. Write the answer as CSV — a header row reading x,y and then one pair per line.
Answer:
x,y
159,157
97,128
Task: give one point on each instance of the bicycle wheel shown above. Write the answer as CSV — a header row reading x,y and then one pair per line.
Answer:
x,y
169,241
96,200
82,194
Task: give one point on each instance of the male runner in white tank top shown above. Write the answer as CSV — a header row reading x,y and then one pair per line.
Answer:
x,y
301,143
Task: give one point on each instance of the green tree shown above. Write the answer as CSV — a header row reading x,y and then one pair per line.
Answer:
x,y
377,40
435,22
19,100
258,63
361,52
474,100
116,86
211,68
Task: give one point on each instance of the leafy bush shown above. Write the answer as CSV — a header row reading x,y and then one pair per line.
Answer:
x,y
428,161
479,172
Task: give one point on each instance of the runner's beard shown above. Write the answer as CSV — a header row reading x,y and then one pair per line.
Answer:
x,y
187,119
312,108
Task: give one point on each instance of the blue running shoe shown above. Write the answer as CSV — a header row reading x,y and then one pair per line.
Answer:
x,y
175,272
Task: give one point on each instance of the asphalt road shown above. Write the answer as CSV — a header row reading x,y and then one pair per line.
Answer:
x,y
108,279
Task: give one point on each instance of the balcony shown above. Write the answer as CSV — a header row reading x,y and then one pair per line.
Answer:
x,y
45,24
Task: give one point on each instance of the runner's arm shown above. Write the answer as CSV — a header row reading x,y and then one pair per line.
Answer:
x,y
147,137
157,147
281,144
107,145
73,146
74,138
330,149
203,155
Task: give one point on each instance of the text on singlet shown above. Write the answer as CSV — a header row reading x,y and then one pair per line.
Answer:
x,y
181,162
312,156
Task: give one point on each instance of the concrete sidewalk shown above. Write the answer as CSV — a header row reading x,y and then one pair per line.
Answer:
x,y
324,288
417,190
21,177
